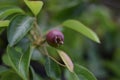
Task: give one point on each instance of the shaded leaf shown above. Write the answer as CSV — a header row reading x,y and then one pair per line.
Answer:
x,y
18,28
24,44
79,27
1,30
4,23
3,69
20,61
35,6
52,69
113,67
6,11
83,73
6,60
66,59
71,76
10,75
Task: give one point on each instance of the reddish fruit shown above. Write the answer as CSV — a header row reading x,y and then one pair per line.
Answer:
x,y
55,38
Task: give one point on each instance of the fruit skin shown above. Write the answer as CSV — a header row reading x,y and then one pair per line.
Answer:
x,y
55,38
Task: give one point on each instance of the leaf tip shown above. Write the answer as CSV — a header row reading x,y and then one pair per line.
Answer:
x,y
98,41
34,6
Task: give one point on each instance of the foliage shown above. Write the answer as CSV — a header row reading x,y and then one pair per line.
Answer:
x,y
25,54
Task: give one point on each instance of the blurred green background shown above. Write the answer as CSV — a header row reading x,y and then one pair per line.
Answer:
x,y
102,16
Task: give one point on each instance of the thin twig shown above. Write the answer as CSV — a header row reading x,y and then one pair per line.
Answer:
x,y
52,57
33,35
56,61
37,27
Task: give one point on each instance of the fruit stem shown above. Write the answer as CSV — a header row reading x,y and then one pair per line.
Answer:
x,y
46,54
37,36
38,28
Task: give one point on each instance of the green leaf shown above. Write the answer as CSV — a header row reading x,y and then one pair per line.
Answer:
x,y
79,27
35,6
66,59
52,69
24,44
20,61
3,69
5,59
6,11
83,73
4,23
113,67
1,30
18,28
71,76
10,75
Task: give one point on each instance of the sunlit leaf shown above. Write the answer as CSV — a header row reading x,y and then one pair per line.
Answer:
x,y
6,11
66,59
18,28
79,27
35,6
4,23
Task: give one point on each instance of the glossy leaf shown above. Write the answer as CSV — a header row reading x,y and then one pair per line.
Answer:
x,y
35,6
66,59
6,11
83,73
52,69
20,61
18,28
4,23
79,27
